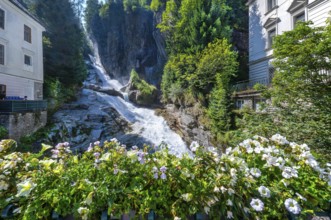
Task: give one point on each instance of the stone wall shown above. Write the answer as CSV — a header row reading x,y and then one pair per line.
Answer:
x,y
22,124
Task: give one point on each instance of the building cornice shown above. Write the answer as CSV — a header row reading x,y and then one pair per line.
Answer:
x,y
260,60
249,2
314,3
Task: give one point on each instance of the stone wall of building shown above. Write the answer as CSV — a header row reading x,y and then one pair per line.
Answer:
x,y
22,124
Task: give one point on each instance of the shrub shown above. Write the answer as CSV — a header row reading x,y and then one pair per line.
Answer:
x,y
260,178
3,132
148,92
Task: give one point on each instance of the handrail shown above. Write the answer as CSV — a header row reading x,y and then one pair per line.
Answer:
x,y
249,84
22,105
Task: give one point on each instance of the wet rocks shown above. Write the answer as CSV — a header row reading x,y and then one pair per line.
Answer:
x,y
185,122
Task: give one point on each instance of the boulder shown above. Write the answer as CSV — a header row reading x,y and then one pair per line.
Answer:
x,y
111,92
185,122
141,99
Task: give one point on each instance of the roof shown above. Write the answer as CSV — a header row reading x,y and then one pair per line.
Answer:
x,y
25,10
295,5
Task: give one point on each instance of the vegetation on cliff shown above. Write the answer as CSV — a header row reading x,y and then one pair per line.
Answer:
x,y
201,62
147,93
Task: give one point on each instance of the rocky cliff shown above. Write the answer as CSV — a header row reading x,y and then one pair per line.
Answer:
x,y
129,40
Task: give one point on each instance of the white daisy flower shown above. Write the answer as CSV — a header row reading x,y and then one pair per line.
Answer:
x,y
292,206
264,191
229,215
257,205
255,172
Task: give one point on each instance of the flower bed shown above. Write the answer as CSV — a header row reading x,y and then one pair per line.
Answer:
x,y
260,178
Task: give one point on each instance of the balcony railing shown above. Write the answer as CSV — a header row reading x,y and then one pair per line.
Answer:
x,y
249,84
22,105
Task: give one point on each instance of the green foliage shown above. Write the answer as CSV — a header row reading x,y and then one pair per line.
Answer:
x,y
190,25
219,109
63,56
201,62
302,55
301,91
3,132
217,64
177,74
215,69
63,41
156,4
238,15
132,5
148,91
91,13
58,93
301,86
110,177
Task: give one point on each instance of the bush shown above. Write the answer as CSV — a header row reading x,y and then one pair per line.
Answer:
x,y
260,178
148,92
3,132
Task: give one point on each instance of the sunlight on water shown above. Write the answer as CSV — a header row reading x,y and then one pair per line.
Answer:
x,y
144,121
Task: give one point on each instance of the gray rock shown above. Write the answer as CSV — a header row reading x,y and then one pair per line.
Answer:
x,y
130,42
78,139
95,117
96,134
111,92
187,121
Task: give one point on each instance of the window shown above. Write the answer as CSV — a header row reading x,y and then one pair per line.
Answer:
x,y
2,19
299,17
258,104
2,54
271,73
271,35
240,103
27,34
27,60
271,4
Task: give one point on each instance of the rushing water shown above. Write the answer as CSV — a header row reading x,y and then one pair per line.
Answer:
x,y
144,121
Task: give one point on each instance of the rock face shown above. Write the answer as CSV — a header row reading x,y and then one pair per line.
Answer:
x,y
185,121
91,118
85,121
128,40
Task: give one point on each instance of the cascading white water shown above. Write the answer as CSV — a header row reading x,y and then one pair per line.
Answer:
x,y
144,121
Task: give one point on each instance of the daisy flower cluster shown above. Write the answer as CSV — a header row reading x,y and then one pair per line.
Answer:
x,y
260,178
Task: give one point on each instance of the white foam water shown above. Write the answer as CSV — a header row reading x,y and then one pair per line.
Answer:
x,y
144,121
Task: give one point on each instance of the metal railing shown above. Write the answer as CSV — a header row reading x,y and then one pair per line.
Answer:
x,y
249,84
22,106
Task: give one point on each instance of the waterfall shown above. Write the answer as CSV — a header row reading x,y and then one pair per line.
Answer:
x,y
144,122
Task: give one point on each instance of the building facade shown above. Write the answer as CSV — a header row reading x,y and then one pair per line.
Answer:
x,y
268,18
21,52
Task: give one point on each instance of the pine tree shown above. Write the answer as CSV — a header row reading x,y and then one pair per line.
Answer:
x,y
63,54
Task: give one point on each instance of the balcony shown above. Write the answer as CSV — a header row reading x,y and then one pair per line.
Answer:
x,y
8,106
249,84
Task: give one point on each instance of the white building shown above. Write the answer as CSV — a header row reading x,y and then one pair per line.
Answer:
x,y
21,51
268,18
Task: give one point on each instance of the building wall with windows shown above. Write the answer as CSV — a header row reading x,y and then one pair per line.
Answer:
x,y
21,51
268,18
